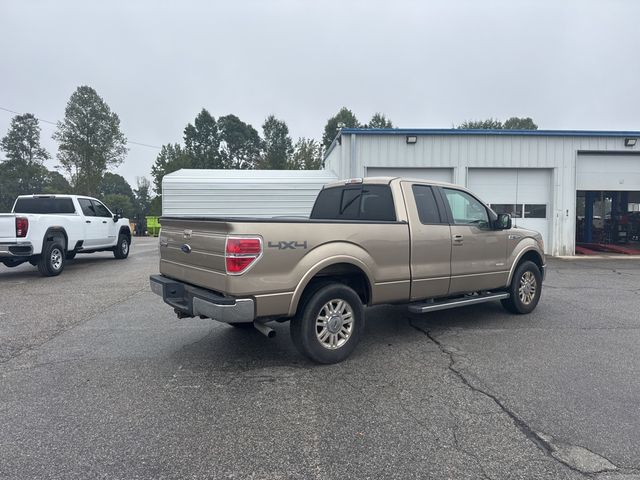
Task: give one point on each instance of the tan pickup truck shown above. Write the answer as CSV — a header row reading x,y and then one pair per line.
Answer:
x,y
367,242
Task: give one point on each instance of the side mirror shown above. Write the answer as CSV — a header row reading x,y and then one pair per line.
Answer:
x,y
503,222
118,215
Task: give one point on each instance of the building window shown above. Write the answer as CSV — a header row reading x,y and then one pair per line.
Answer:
x,y
515,210
534,210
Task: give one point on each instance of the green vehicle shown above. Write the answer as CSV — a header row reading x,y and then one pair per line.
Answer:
x,y
153,225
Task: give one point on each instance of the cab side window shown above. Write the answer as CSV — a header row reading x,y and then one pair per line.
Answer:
x,y
87,207
100,209
465,209
426,203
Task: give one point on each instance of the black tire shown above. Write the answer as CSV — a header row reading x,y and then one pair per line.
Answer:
x,y
51,262
121,250
526,275
307,333
71,255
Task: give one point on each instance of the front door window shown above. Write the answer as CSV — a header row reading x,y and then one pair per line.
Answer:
x,y
465,209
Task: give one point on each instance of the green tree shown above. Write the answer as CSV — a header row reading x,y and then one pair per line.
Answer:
x,y
240,145
117,201
202,142
513,123
488,124
143,196
155,208
116,192
22,173
114,184
379,120
90,140
22,141
20,178
56,183
343,119
277,144
171,158
516,123
307,155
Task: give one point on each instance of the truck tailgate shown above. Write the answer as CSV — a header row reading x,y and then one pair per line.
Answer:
x,y
7,228
205,244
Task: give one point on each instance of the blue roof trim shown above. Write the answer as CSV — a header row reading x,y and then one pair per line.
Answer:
x,y
455,131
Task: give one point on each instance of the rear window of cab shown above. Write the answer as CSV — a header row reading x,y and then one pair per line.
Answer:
x,y
44,205
355,202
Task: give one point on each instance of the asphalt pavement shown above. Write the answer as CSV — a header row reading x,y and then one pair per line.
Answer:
x,y
98,379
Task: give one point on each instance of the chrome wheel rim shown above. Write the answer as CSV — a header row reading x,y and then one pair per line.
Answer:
x,y
124,247
56,258
528,287
334,324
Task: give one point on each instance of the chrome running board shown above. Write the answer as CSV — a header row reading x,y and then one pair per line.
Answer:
x,y
424,307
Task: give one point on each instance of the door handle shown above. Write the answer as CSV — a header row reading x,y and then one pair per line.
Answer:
x,y
87,221
104,221
458,239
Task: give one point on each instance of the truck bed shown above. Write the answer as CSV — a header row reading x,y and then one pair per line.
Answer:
x,y
7,228
291,249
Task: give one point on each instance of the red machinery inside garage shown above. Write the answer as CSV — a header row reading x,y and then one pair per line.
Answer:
x,y
608,221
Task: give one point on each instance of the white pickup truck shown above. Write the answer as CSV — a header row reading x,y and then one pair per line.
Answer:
x,y
46,230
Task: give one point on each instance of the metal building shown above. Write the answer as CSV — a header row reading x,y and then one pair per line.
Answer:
x,y
573,186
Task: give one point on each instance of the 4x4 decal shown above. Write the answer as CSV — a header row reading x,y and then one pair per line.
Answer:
x,y
284,245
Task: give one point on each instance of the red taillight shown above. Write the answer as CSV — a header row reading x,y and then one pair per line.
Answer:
x,y
22,227
241,252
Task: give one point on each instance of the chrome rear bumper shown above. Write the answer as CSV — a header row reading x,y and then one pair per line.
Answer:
x,y
190,301
13,250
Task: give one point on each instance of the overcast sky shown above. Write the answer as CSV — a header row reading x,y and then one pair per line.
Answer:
x,y
568,65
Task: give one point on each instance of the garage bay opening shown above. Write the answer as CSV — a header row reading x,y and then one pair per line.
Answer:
x,y
608,221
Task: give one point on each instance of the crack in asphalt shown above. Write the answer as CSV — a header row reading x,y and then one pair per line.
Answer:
x,y
543,444
471,453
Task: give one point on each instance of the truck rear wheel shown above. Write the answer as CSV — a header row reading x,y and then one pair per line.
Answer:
x,y
51,262
329,324
525,289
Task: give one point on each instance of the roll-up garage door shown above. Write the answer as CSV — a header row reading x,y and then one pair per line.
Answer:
x,y
597,172
525,193
435,174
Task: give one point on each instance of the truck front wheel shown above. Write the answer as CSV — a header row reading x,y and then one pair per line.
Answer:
x,y
329,324
121,250
525,289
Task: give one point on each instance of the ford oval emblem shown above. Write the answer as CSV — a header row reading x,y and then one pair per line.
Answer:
x,y
186,248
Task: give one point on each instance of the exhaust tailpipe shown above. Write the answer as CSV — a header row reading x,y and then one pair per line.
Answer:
x,y
264,329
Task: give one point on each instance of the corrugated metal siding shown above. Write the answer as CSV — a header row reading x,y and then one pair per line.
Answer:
x,y
242,193
461,152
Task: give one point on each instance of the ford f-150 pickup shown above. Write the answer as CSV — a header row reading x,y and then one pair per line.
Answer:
x,y
367,242
46,230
